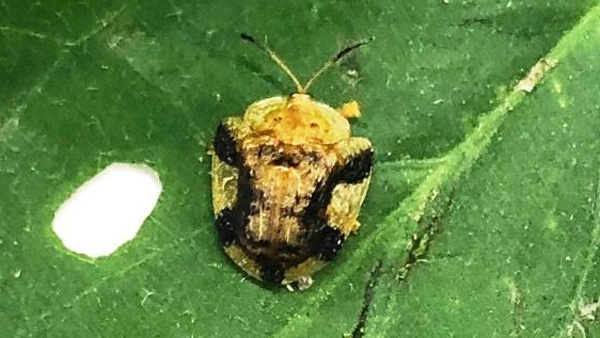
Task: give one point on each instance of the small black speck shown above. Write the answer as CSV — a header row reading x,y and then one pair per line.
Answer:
x,y
226,227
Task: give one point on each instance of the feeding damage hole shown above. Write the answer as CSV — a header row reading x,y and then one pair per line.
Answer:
x,y
108,210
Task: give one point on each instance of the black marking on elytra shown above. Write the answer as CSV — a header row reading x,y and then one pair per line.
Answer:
x,y
313,156
226,227
231,222
245,195
271,271
314,215
266,150
278,156
287,160
272,268
284,253
226,147
256,197
289,211
324,240
357,168
327,242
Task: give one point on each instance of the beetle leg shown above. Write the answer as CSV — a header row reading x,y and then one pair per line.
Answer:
x,y
350,109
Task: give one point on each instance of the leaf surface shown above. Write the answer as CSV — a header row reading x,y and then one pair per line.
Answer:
x,y
482,219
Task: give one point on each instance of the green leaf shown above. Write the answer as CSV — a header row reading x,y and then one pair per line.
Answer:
x,y
483,216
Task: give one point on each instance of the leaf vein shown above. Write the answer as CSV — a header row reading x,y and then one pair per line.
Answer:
x,y
106,21
26,32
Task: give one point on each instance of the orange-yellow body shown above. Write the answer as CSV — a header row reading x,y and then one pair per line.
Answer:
x,y
291,146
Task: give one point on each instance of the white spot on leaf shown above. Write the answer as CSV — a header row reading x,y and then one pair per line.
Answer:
x,y
108,210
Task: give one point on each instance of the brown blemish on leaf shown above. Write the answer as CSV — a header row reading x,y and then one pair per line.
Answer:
x,y
536,74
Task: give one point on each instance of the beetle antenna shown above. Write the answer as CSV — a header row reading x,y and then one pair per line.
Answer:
x,y
337,57
275,58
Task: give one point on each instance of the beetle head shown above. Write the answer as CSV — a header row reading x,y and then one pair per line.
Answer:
x,y
298,119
